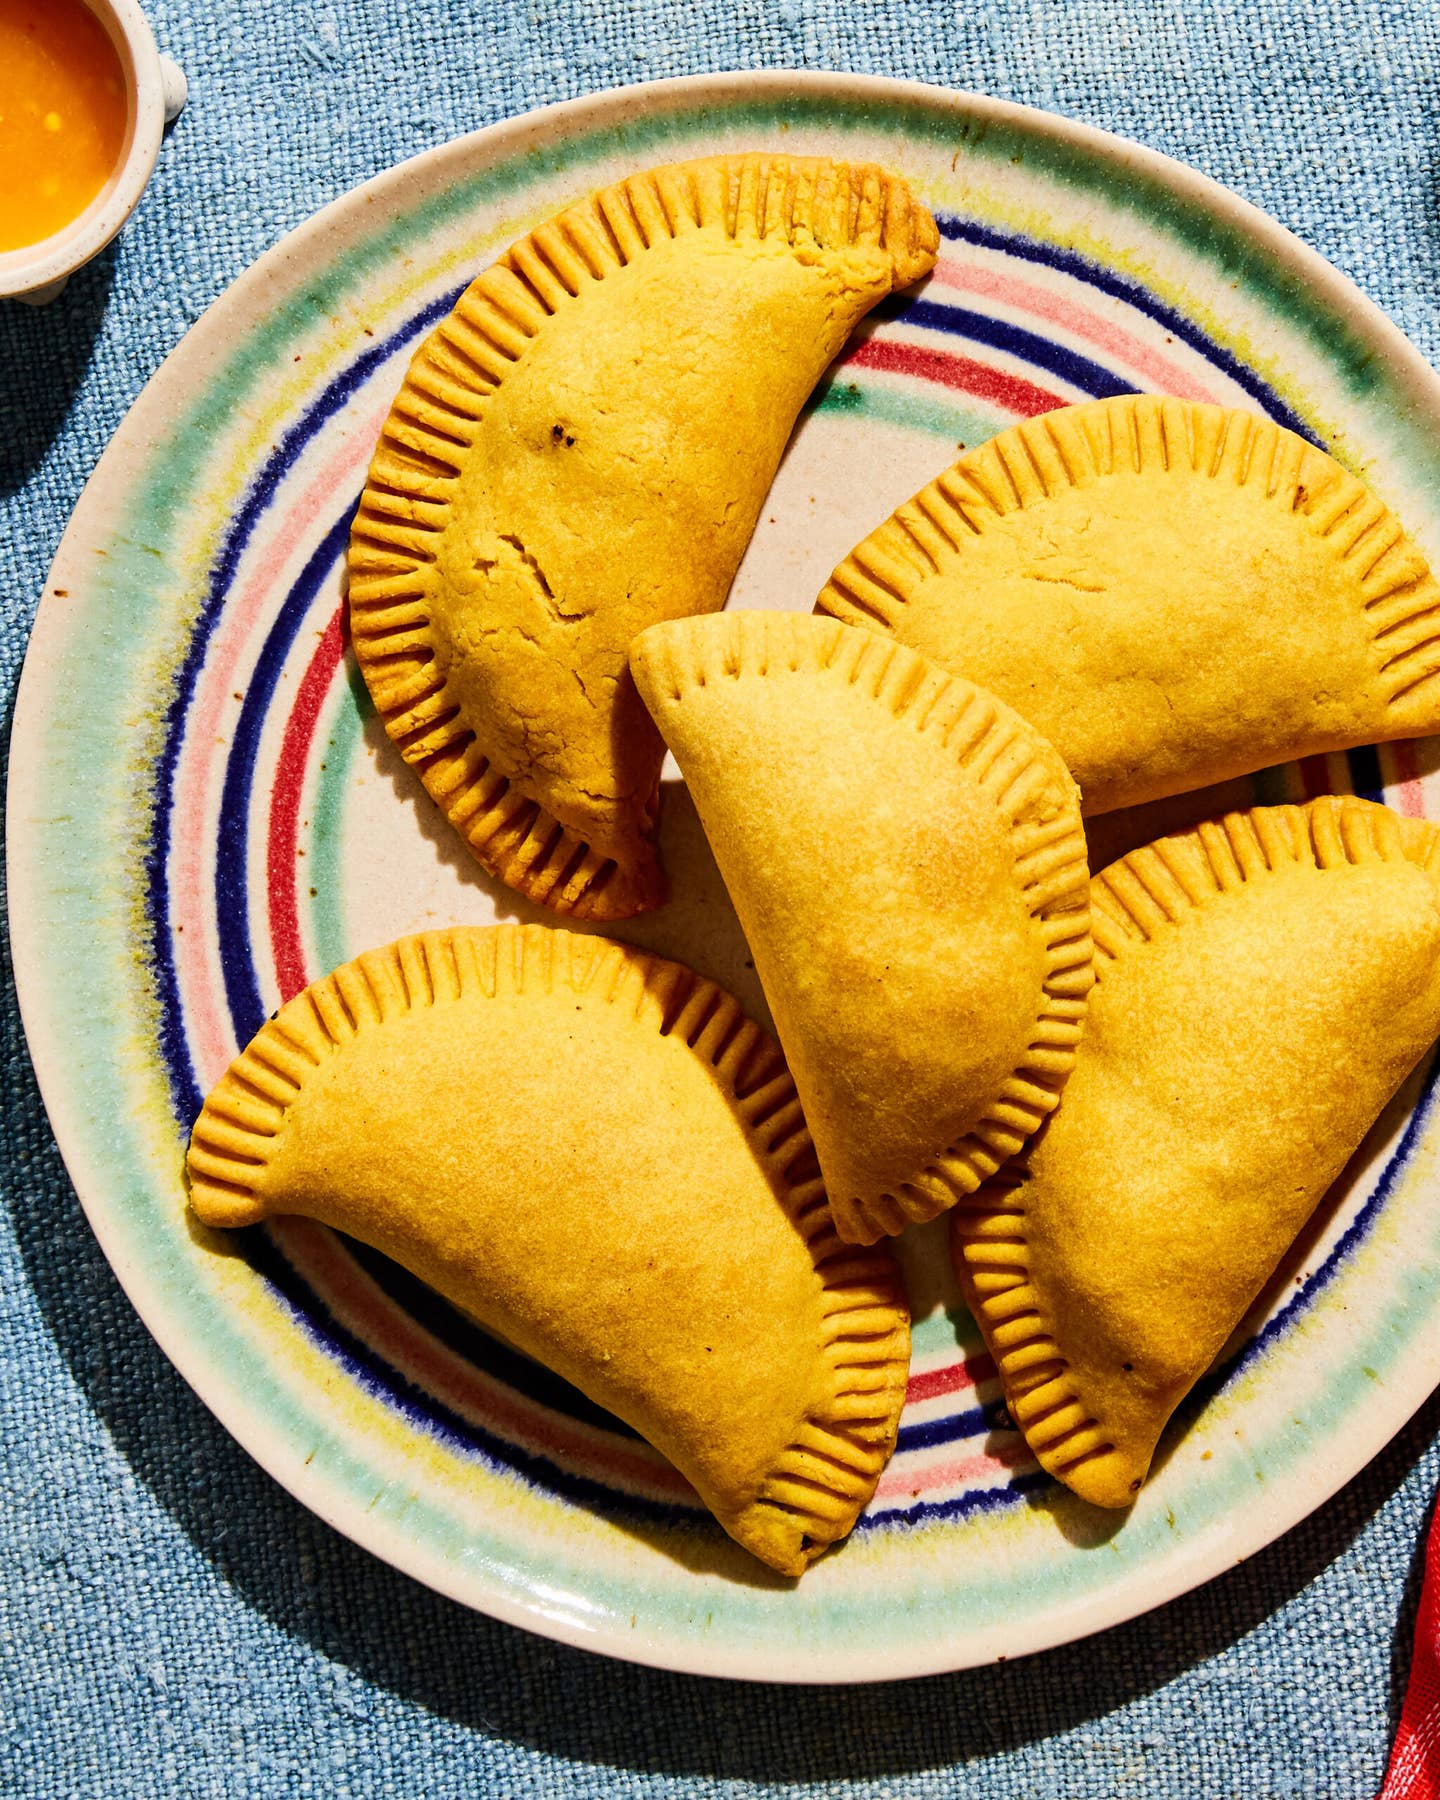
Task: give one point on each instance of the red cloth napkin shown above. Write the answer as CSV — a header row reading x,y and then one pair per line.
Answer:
x,y
1414,1772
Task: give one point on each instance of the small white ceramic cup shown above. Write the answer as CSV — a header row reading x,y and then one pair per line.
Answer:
x,y
156,92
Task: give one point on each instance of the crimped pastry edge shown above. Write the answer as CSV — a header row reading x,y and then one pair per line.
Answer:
x,y
1016,769
814,1490
1135,900
809,203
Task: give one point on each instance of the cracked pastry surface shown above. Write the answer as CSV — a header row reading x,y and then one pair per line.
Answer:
x,y
597,1155
1264,983
1172,593
581,448
906,858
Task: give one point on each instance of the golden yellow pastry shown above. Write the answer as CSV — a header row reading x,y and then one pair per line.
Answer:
x,y
906,858
598,1156
581,448
1172,593
1264,983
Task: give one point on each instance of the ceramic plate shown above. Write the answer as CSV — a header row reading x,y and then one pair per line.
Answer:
x,y
204,817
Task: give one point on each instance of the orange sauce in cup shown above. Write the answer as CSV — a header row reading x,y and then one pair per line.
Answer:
x,y
63,113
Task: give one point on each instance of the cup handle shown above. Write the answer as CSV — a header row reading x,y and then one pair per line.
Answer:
x,y
175,88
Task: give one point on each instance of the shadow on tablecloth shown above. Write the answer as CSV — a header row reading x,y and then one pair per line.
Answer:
x,y
44,353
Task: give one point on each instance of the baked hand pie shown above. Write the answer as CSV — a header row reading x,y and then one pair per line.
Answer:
x,y
580,449
906,858
1172,593
1264,983
599,1157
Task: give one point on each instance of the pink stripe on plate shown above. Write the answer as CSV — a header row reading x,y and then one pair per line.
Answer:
x,y
207,1018
986,1465
1405,761
1167,376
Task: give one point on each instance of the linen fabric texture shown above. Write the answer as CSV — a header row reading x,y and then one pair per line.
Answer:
x,y
172,1623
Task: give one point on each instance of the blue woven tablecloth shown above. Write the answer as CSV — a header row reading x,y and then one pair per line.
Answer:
x,y
170,1622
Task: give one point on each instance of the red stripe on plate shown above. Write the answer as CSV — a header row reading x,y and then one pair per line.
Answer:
x,y
932,1383
281,858
947,369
